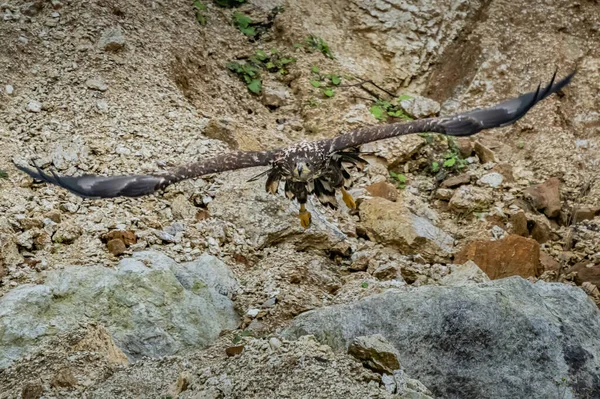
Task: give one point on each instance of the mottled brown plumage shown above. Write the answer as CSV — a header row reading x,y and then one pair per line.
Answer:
x,y
319,167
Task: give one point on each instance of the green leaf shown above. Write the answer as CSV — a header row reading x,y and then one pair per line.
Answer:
x,y
448,163
335,79
315,69
201,18
404,97
261,55
241,20
199,5
229,3
378,112
435,167
285,61
315,83
298,45
3,174
329,92
269,65
255,86
364,284
398,176
249,31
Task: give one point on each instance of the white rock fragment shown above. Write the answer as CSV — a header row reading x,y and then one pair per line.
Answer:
x,y
96,83
34,106
253,312
112,39
9,89
493,179
102,106
420,107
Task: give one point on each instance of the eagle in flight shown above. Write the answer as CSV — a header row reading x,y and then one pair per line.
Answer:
x,y
319,167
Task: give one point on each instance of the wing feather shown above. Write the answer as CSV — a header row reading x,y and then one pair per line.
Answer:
x,y
463,124
94,186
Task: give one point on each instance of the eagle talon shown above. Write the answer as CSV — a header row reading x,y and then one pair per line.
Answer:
x,y
348,200
305,217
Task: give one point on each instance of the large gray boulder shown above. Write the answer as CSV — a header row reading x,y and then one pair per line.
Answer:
x,y
151,305
501,339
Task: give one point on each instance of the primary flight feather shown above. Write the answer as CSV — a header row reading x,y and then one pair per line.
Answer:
x,y
319,167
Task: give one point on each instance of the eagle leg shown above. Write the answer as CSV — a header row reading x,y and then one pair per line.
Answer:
x,y
348,200
305,217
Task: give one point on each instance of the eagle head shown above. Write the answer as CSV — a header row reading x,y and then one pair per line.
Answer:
x,y
302,170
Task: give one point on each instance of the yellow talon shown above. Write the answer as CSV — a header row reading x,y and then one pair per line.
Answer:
x,y
348,200
305,217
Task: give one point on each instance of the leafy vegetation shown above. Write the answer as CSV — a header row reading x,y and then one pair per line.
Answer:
x,y
313,42
255,29
382,109
399,179
200,7
229,3
249,70
243,23
364,284
3,174
248,73
451,160
325,82
238,337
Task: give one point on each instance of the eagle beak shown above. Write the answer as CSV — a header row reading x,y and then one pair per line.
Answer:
x,y
302,171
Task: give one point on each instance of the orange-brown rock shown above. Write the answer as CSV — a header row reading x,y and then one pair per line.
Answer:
x,y
116,247
64,378
586,271
456,181
548,263
127,236
511,256
506,170
234,350
465,146
546,197
585,213
383,189
485,154
519,224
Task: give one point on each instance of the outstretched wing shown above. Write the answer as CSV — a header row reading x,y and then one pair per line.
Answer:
x,y
93,186
463,124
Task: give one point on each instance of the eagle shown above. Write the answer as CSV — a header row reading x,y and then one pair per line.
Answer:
x,y
317,168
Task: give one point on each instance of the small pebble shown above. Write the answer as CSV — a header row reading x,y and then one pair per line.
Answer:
x,y
34,106
9,89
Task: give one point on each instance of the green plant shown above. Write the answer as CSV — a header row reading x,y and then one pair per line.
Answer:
x,y
312,102
199,8
399,179
3,174
243,23
238,337
248,73
273,61
229,3
324,81
364,284
249,70
313,42
382,109
520,144
435,167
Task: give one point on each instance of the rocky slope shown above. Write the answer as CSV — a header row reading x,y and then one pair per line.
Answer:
x,y
212,264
